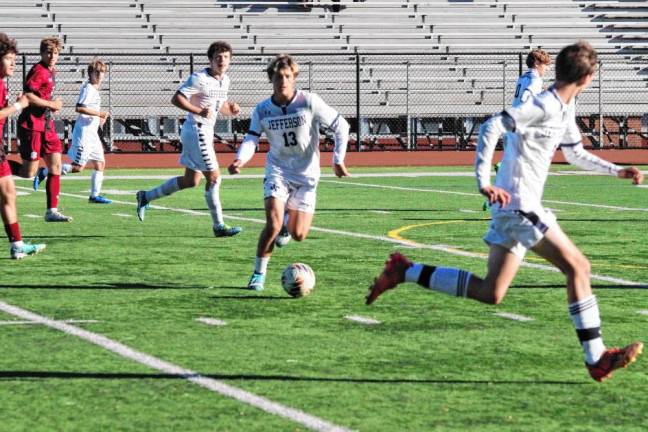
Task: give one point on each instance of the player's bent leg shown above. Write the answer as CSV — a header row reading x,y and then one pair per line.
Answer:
x,y
274,218
212,198
299,224
502,268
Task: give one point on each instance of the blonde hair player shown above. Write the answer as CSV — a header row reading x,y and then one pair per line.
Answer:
x,y
86,148
17,249
541,125
203,96
290,119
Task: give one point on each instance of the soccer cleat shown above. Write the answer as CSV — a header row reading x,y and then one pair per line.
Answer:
x,y
613,359
283,237
224,230
20,252
99,200
38,178
392,275
256,281
56,216
142,204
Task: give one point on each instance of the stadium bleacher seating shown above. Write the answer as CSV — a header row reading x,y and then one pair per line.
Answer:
x,y
148,43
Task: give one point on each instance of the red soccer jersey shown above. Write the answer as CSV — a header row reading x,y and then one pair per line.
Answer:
x,y
40,81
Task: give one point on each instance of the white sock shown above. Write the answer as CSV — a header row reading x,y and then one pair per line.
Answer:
x,y
212,197
587,321
413,273
18,243
45,172
52,210
261,264
96,180
447,280
65,169
165,189
285,222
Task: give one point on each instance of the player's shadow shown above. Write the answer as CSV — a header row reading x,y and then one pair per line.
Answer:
x,y
104,286
594,286
20,374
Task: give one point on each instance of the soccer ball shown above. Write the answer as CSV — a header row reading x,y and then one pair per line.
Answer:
x,y
298,280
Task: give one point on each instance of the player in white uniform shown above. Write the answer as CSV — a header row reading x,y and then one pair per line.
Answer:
x,y
203,95
541,125
86,145
290,119
528,84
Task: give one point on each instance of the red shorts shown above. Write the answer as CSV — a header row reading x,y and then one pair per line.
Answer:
x,y
5,169
34,144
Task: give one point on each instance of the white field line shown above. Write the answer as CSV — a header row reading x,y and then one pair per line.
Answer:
x,y
362,320
18,193
211,321
124,215
271,407
512,316
69,321
441,191
379,211
407,244
33,216
643,312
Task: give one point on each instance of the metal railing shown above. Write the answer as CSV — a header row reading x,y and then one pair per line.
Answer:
x,y
409,101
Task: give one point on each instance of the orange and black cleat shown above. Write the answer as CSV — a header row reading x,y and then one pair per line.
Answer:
x,y
392,275
613,359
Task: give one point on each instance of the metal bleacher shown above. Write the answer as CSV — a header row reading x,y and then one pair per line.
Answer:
x,y
437,66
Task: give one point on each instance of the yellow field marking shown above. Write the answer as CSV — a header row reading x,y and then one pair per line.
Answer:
x,y
396,234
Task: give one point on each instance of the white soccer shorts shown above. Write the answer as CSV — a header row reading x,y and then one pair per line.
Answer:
x,y
86,146
198,151
518,231
296,196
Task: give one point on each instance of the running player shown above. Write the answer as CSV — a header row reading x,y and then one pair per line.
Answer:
x,y
541,125
36,132
203,95
528,84
18,249
290,119
86,145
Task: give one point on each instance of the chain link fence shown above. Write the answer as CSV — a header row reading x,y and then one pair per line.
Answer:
x,y
392,101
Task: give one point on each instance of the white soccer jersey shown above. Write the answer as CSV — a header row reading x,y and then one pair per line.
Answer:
x,y
89,97
529,84
293,134
540,126
204,90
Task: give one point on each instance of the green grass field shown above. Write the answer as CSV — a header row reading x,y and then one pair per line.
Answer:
x,y
432,363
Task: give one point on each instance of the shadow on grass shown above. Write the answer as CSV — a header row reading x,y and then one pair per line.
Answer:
x,y
10,375
117,285
594,286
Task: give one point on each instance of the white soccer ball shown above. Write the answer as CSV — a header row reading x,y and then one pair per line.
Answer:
x,y
298,280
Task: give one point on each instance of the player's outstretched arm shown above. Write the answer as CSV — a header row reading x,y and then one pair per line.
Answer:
x,y
489,133
631,173
54,105
244,154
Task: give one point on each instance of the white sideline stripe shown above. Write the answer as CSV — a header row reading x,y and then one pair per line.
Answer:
x,y
211,321
124,215
512,316
22,193
361,319
220,387
470,211
32,322
407,244
643,312
33,216
440,191
379,211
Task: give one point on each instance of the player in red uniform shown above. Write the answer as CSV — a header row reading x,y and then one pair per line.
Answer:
x,y
19,249
36,130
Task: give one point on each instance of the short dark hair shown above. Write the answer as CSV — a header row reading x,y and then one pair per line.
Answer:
x,y
574,62
7,45
538,56
218,47
50,42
